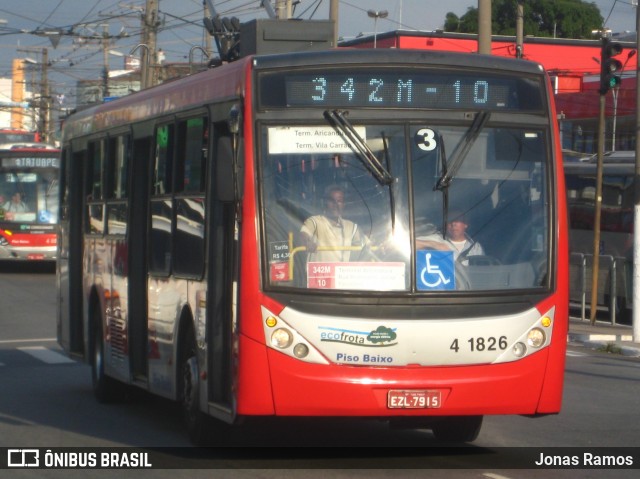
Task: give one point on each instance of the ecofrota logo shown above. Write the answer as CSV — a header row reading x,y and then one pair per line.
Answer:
x,y
23,458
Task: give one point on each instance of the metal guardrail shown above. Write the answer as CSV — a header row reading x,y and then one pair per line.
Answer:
x,y
580,283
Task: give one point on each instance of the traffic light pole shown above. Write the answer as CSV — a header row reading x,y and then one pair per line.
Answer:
x,y
610,70
595,267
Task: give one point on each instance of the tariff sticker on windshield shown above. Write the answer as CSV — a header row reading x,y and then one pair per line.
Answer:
x,y
382,276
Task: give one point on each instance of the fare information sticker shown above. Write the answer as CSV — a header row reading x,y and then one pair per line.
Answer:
x,y
383,276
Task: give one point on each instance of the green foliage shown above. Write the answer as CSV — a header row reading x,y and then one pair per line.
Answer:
x,y
542,18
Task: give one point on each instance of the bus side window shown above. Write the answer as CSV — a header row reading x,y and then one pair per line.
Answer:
x,y
95,188
117,168
191,156
161,224
163,167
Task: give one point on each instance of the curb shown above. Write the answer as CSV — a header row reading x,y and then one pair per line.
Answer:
x,y
602,341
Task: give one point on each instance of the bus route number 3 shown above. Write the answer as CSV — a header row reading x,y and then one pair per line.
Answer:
x,y
425,139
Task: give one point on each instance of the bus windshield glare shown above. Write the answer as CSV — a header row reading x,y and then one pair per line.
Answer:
x,y
332,225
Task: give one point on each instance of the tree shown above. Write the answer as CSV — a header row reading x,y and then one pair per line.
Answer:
x,y
542,18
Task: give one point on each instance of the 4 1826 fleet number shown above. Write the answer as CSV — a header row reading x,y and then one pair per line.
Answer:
x,y
480,344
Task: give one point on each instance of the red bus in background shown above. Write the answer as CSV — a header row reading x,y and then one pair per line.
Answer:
x,y
16,137
183,268
29,202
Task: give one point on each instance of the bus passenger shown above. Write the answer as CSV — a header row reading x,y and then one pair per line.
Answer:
x,y
456,240
15,205
329,236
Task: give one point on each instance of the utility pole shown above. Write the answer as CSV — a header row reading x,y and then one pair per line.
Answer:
x,y
484,27
520,29
105,59
45,97
207,38
284,9
149,57
333,15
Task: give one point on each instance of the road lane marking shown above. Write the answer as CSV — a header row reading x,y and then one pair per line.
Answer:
x,y
46,355
576,354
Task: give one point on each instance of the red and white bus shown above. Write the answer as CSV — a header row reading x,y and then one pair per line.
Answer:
x,y
183,271
29,202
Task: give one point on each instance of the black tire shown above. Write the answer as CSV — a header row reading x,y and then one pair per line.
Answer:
x,y
105,389
458,429
195,420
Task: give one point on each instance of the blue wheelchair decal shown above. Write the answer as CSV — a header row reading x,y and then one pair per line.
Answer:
x,y
44,216
435,270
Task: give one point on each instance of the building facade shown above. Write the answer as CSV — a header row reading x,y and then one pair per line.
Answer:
x,y
574,68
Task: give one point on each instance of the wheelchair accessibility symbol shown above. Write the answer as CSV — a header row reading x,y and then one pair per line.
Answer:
x,y
435,270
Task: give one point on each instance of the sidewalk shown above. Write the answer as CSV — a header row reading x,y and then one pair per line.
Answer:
x,y
603,335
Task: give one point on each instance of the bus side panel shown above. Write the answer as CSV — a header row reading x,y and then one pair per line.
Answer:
x,y
255,396
551,397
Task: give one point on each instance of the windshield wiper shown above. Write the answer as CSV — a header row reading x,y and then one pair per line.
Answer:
x,y
450,167
461,151
392,198
346,130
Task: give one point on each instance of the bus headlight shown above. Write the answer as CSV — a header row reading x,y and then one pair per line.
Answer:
x,y
519,350
281,338
536,338
301,350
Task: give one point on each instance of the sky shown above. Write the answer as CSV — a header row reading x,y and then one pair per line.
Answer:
x,y
74,59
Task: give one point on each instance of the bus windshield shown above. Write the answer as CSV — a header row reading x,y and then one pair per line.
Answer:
x,y
331,224
29,194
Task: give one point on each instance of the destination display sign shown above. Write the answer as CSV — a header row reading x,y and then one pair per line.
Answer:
x,y
408,88
30,162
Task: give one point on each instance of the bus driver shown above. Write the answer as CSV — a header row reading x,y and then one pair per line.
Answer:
x,y
328,236
15,205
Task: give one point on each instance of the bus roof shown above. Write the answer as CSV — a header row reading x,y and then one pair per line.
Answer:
x,y
227,82
388,56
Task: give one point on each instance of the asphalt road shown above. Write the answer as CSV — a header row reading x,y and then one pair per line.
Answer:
x,y
46,402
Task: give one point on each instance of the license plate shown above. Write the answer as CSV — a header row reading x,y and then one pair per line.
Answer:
x,y
413,399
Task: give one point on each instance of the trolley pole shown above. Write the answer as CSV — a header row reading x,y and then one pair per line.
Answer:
x,y
596,220
636,203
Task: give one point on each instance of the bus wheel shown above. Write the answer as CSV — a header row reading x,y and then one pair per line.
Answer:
x,y
458,429
105,389
195,421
